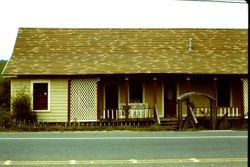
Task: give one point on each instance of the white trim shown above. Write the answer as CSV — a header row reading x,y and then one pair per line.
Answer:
x,y
31,93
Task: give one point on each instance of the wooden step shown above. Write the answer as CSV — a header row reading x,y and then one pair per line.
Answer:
x,y
171,123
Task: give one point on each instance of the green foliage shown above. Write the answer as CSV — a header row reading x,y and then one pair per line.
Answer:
x,y
2,64
21,105
4,89
5,95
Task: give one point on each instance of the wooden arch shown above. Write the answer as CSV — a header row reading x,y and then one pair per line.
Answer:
x,y
185,98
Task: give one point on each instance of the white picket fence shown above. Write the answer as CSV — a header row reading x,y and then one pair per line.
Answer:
x,y
221,111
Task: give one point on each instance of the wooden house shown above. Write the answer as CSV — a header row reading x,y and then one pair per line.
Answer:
x,y
93,75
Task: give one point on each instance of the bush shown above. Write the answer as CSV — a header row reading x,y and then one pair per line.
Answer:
x,y
4,93
4,88
21,107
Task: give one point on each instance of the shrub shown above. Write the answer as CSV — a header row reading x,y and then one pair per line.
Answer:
x,y
4,93
21,107
4,88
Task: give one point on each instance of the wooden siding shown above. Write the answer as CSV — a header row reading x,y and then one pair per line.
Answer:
x,y
18,85
58,98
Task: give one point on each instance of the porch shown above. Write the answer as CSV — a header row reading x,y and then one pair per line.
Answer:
x,y
144,112
119,99
149,116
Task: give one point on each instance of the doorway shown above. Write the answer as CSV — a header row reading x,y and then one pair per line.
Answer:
x,y
111,101
169,100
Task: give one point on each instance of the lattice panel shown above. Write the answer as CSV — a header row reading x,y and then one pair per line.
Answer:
x,y
83,99
245,97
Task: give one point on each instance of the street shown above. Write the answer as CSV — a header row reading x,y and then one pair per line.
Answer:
x,y
124,148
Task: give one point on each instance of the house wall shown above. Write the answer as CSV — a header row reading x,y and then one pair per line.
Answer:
x,y
203,85
59,102
122,92
58,98
59,94
149,94
160,103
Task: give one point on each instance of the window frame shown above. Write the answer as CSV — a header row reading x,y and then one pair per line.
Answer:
x,y
32,91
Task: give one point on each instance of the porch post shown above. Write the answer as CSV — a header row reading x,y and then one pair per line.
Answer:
x,y
215,88
98,98
213,105
180,115
188,101
126,97
69,90
155,89
245,97
213,114
155,94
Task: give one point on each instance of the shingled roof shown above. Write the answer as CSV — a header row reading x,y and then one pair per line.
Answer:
x,y
60,51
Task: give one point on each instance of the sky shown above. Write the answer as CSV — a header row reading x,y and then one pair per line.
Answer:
x,y
116,14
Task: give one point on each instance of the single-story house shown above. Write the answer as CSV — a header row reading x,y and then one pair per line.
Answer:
x,y
91,75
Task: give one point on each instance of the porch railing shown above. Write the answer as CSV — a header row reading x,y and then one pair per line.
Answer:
x,y
221,111
136,111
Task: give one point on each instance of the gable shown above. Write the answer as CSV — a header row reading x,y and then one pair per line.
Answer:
x,y
55,51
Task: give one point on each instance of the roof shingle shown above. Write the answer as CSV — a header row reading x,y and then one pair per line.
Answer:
x,y
56,51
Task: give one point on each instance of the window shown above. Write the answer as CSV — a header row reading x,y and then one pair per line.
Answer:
x,y
40,96
223,93
135,91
